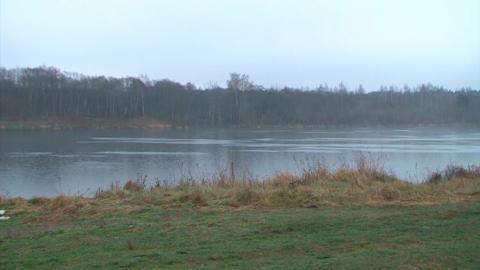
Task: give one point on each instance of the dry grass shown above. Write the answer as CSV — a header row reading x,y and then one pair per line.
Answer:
x,y
364,183
453,172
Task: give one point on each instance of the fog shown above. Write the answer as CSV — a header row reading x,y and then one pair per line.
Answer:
x,y
295,43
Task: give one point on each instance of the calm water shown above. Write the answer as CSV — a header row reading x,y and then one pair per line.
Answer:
x,y
51,163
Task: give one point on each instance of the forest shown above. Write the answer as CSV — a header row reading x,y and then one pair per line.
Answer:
x,y
29,93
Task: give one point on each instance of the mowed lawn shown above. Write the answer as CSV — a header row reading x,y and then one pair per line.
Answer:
x,y
445,236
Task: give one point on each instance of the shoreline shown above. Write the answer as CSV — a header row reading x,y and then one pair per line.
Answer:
x,y
365,183
348,218
58,124
89,123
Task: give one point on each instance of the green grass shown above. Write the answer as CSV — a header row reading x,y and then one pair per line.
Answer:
x,y
351,218
441,236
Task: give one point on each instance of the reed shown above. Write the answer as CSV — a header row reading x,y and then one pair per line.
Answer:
x,y
363,183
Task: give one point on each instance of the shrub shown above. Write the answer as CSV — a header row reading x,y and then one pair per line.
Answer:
x,y
38,200
136,185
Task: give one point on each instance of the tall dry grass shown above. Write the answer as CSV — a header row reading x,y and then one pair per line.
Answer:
x,y
365,182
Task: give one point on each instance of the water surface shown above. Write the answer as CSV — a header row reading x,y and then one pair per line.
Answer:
x,y
49,163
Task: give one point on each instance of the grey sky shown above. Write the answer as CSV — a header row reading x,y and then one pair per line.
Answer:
x,y
296,43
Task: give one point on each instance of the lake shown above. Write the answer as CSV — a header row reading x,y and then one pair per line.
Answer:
x,y
48,163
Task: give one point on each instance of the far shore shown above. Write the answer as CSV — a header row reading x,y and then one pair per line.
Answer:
x,y
59,123
92,123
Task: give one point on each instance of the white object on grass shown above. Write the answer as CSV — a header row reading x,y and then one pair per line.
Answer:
x,y
2,212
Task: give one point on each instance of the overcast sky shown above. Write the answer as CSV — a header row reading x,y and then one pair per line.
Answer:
x,y
276,42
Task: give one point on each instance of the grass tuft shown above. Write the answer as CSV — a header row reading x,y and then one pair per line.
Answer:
x,y
452,172
363,183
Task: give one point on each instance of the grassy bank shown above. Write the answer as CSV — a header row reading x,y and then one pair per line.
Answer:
x,y
441,236
350,218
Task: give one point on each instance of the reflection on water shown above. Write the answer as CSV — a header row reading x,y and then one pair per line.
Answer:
x,y
50,163
149,153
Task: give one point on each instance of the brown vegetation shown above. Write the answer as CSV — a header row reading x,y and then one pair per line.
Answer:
x,y
73,123
365,183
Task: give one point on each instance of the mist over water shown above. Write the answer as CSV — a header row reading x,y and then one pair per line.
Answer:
x,y
52,162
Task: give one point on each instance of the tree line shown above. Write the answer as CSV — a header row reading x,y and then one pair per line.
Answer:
x,y
49,92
